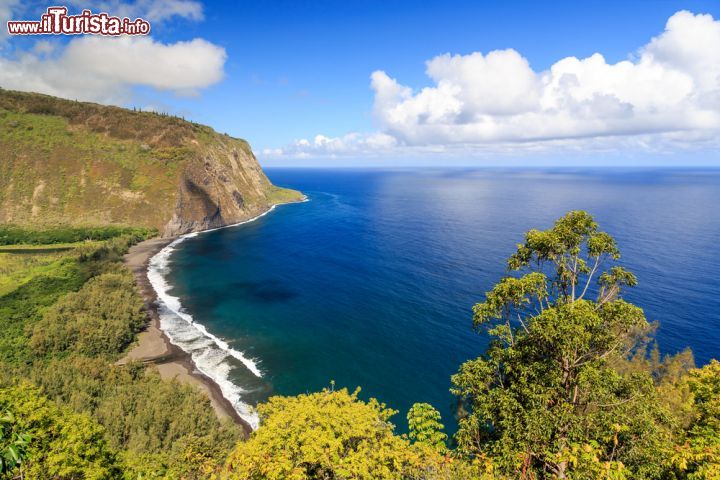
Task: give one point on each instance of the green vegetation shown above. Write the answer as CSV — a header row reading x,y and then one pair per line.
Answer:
x,y
54,171
425,427
697,454
57,442
278,195
545,397
23,307
17,269
79,164
14,235
571,387
15,442
83,417
101,319
332,434
157,427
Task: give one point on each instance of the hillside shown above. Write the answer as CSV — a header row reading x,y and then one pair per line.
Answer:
x,y
75,163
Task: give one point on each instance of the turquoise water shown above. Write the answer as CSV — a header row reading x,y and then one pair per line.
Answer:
x,y
372,281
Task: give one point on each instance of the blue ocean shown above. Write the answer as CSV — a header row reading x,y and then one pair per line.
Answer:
x,y
371,282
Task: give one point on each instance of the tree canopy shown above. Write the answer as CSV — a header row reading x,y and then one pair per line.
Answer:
x,y
57,442
545,400
329,434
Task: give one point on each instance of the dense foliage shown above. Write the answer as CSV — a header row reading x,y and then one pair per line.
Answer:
x,y
697,455
14,235
546,387
553,396
84,417
23,307
424,425
100,319
14,446
59,442
141,413
333,434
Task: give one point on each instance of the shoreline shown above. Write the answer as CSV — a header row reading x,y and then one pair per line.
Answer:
x,y
154,345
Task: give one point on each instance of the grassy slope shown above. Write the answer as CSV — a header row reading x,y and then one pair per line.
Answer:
x,y
65,162
35,144
18,269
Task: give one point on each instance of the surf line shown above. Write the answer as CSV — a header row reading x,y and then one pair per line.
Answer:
x,y
208,352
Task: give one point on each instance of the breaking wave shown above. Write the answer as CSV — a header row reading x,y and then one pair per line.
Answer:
x,y
211,354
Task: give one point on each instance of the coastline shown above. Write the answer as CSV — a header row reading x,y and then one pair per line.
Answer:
x,y
154,345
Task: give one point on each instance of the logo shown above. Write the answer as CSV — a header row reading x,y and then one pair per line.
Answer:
x,y
56,21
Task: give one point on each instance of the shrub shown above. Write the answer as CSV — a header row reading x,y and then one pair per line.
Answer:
x,y
100,319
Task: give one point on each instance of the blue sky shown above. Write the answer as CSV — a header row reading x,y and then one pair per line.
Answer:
x,y
294,70
325,51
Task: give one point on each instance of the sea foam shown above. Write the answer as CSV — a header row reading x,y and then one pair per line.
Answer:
x,y
210,353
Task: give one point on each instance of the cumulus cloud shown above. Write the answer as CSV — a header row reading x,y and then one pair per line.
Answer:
x,y
666,96
105,69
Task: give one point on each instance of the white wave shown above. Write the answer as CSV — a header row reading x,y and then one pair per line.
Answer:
x,y
209,352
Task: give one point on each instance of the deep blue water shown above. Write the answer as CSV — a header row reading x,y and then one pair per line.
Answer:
x,y
371,283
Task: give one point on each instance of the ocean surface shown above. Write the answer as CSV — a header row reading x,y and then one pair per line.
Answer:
x,y
371,282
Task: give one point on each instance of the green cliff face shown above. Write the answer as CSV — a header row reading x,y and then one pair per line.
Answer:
x,y
67,162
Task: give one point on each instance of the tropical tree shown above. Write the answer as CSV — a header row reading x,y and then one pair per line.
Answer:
x,y
424,425
544,401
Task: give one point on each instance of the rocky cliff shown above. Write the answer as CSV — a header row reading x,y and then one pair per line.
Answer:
x,y
66,162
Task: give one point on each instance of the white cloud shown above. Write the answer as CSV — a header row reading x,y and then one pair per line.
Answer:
x,y
667,96
105,69
44,47
7,8
349,144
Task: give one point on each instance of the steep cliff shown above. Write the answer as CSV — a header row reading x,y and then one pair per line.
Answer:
x,y
66,162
